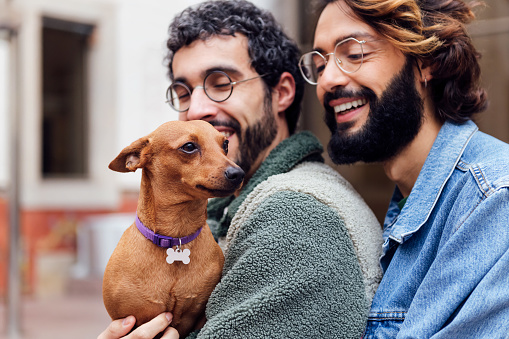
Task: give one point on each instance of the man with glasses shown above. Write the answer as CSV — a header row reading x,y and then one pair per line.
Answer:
x,y
302,247
399,81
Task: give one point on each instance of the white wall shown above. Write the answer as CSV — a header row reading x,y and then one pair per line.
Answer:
x,y
142,76
4,108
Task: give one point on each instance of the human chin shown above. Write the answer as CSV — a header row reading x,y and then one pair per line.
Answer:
x,y
393,122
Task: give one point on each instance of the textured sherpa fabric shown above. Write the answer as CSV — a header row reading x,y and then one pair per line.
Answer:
x,y
291,268
338,194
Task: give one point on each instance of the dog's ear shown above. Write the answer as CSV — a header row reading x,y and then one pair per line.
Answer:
x,y
132,157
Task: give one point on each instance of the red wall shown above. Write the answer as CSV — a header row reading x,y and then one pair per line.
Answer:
x,y
45,231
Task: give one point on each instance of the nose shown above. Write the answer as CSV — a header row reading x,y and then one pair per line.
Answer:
x,y
234,175
201,107
332,76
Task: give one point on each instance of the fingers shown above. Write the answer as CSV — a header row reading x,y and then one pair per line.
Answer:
x,y
170,333
118,328
152,328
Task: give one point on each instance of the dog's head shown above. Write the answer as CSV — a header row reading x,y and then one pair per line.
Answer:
x,y
187,155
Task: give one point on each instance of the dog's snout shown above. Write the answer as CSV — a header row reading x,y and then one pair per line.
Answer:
x,y
235,175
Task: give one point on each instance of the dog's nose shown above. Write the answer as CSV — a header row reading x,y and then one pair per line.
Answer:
x,y
235,175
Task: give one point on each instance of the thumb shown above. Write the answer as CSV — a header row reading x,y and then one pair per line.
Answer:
x,y
118,328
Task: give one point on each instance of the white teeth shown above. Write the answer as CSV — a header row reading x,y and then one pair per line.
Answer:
x,y
226,134
345,106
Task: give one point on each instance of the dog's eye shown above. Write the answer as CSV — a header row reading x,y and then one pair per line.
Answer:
x,y
189,147
225,146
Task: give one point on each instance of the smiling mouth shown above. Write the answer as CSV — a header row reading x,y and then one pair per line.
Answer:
x,y
225,130
348,106
227,134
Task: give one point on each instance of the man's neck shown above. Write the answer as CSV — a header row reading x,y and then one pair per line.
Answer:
x,y
404,168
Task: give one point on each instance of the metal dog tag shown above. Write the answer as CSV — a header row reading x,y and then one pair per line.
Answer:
x,y
178,255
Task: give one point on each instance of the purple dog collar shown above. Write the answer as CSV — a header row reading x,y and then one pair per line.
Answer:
x,y
161,240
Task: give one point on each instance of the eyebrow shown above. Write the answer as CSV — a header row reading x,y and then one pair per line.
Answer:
x,y
228,69
357,35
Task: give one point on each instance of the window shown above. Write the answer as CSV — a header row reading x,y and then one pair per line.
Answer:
x,y
64,99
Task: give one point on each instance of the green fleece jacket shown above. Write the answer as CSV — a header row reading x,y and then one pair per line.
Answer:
x,y
301,252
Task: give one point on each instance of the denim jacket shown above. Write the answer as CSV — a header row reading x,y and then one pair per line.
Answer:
x,y
446,252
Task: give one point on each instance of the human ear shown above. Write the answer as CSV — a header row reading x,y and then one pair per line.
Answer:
x,y
285,90
425,72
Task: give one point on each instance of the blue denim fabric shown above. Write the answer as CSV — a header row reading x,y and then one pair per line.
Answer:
x,y
446,253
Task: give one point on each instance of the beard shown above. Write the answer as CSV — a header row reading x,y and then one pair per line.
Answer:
x,y
256,138
393,121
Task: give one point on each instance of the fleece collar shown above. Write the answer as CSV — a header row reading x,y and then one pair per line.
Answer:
x,y
300,147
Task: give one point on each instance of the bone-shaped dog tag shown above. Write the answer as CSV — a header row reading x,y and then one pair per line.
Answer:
x,y
178,255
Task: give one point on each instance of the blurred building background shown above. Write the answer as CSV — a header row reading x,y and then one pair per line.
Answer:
x,y
83,79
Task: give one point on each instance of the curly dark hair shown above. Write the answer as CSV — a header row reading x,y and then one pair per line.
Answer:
x,y
434,32
271,51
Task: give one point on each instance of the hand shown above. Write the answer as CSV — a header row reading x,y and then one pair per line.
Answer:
x,y
120,327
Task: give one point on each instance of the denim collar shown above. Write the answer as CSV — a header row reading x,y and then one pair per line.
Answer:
x,y
442,159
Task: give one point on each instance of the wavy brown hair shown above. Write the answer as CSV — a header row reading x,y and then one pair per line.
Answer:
x,y
434,32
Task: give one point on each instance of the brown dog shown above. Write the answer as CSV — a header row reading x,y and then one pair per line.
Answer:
x,y
184,164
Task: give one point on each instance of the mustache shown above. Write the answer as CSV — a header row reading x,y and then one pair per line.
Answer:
x,y
233,124
339,93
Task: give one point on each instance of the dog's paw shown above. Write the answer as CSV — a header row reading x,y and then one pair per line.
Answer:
x,y
178,255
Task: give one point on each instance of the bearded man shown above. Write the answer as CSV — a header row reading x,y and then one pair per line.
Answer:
x,y
399,81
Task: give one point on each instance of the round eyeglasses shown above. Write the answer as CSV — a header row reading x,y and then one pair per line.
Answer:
x,y
218,87
348,55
